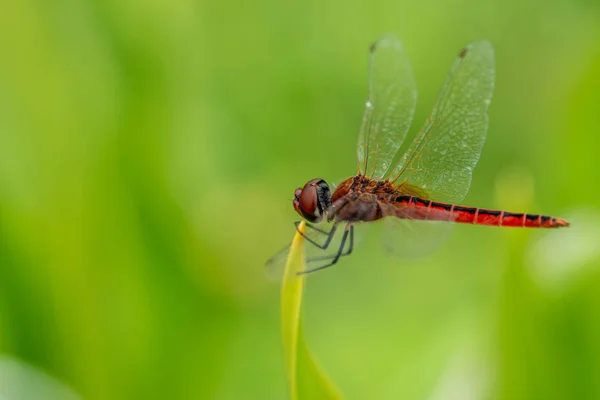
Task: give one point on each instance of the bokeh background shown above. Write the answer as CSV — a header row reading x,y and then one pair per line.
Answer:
x,y
148,155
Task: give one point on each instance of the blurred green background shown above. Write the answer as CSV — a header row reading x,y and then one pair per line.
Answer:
x,y
148,155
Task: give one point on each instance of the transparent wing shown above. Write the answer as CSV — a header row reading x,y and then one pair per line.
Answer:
x,y
274,266
444,153
389,108
415,232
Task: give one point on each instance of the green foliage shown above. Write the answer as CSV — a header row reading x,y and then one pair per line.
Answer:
x,y
148,154
306,379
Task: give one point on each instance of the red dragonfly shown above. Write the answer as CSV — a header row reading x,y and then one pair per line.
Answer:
x,y
434,172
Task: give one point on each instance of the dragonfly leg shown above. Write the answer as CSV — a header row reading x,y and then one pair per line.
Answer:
x,y
297,224
327,241
348,232
333,256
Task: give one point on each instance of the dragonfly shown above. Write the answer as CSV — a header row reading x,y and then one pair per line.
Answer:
x,y
428,180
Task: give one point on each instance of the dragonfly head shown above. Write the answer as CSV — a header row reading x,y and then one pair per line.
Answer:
x,y
312,200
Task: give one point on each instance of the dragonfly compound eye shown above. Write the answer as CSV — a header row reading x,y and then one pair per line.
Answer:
x,y
313,200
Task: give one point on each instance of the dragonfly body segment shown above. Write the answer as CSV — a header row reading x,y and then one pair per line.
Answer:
x,y
360,198
475,216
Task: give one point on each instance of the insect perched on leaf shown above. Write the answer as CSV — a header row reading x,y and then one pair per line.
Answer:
x,y
430,177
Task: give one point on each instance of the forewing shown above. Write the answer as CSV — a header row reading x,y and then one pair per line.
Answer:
x,y
389,108
444,153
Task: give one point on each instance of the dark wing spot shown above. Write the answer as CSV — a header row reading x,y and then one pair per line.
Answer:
x,y
463,53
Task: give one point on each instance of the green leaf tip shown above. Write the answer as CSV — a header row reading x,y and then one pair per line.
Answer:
x,y
306,379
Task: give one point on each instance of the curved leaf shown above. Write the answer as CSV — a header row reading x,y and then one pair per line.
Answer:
x,y
307,380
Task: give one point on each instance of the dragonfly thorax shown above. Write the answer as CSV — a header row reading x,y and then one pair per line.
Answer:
x,y
312,200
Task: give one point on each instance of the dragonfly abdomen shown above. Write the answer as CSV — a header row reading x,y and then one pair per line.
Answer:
x,y
417,208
